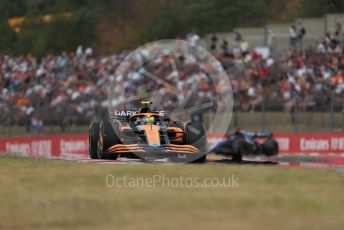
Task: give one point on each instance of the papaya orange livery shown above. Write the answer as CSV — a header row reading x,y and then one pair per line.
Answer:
x,y
149,135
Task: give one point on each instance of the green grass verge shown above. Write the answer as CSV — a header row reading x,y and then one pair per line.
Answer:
x,y
52,194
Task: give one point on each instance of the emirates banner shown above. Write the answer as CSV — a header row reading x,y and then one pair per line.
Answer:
x,y
311,143
75,146
62,146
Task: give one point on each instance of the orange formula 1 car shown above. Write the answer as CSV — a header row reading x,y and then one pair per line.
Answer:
x,y
148,135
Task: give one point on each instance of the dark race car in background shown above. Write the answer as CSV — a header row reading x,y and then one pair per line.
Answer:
x,y
240,143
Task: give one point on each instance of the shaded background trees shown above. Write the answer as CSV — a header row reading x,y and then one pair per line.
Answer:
x,y
113,25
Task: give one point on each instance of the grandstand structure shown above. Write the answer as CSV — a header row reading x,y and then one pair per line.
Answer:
x,y
316,28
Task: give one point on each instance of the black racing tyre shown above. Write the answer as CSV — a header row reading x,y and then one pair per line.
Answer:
x,y
270,147
201,159
237,147
195,135
107,138
93,136
237,157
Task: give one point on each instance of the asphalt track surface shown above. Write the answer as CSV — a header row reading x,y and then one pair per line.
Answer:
x,y
327,161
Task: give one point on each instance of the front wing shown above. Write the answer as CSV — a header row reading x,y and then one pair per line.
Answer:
x,y
172,151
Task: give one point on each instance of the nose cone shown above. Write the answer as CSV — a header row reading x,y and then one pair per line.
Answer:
x,y
152,134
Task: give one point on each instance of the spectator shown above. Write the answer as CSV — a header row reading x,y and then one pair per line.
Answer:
x,y
292,35
337,28
224,47
244,48
36,124
270,38
89,52
79,51
213,45
301,32
193,42
237,37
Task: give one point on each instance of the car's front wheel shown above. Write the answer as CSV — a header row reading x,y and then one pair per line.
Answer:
x,y
237,147
195,135
93,136
107,138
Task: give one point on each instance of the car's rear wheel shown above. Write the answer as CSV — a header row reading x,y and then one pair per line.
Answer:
x,y
195,136
270,147
93,136
107,138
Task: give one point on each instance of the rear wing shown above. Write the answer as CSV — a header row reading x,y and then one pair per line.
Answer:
x,y
263,134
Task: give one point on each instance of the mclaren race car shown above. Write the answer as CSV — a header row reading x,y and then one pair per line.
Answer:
x,y
148,135
240,143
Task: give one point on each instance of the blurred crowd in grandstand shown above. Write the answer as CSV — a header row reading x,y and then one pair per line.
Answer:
x,y
73,87
309,77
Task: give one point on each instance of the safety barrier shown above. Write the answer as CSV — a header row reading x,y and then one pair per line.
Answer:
x,y
75,146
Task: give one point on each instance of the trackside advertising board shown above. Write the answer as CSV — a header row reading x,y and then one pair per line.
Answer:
x,y
61,146
75,146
